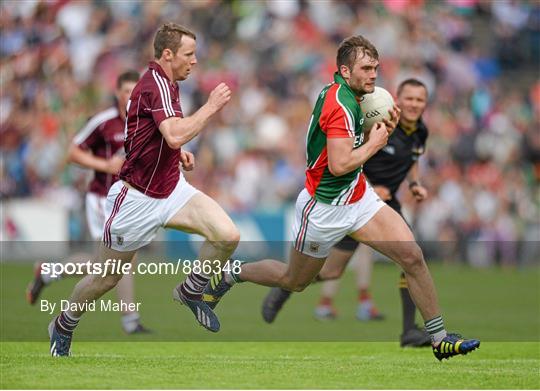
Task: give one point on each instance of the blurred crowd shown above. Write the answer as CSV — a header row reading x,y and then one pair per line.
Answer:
x,y
479,59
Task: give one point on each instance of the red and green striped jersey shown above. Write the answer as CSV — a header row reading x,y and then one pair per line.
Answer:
x,y
336,114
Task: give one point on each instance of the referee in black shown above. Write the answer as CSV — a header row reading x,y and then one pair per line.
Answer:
x,y
386,170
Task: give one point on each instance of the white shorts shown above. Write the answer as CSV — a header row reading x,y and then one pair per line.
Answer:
x,y
134,218
319,226
95,214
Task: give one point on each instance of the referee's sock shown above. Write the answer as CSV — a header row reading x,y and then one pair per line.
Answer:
x,y
407,304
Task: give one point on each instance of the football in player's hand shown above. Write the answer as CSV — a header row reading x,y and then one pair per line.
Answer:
x,y
375,107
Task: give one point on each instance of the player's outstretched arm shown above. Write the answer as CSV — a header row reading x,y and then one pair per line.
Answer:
x,y
86,159
342,158
178,131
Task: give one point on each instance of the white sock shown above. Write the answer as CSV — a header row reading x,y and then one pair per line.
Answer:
x,y
435,328
47,278
229,279
130,322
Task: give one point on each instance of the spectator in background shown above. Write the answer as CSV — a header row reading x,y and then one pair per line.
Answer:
x,y
480,59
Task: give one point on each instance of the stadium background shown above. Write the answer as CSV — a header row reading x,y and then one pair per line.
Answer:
x,y
480,61
478,58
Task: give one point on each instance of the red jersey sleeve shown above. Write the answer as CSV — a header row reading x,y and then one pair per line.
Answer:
x,y
336,119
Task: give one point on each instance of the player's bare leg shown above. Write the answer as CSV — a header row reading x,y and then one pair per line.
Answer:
x,y
284,278
330,273
362,262
88,289
388,233
332,269
294,276
125,290
325,310
202,215
93,286
335,264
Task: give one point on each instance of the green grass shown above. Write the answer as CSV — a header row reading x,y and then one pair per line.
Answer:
x,y
267,365
491,304
501,307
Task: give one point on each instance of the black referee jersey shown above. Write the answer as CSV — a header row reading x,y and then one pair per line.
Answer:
x,y
390,165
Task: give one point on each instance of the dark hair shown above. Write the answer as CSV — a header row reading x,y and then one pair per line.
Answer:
x,y
127,76
350,48
169,36
410,82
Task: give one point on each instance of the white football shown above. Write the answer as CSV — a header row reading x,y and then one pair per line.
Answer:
x,y
375,106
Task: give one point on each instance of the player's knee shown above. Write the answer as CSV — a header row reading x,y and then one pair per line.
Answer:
x,y
412,258
299,287
294,286
228,238
233,236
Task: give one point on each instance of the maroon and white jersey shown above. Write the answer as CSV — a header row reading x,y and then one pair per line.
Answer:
x,y
151,166
103,135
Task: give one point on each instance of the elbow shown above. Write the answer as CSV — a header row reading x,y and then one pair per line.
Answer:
x,y
337,169
174,142
71,154
171,137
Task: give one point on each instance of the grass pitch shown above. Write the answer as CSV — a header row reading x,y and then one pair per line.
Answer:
x,y
267,365
499,307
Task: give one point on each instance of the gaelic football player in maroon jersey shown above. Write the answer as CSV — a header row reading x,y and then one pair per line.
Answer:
x,y
97,146
152,192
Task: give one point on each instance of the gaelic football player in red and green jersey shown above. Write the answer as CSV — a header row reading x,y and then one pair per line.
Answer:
x,y
337,200
386,171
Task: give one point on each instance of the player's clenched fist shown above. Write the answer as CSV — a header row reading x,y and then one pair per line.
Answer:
x,y
114,165
219,96
378,135
187,160
395,114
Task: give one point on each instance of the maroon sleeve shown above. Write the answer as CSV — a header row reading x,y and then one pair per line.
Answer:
x,y
159,100
89,136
